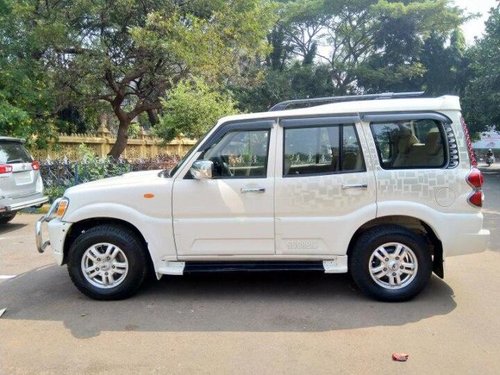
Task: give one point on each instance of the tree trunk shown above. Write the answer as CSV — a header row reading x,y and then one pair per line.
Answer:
x,y
121,138
153,117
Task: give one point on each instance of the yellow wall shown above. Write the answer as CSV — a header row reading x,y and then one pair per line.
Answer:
x,y
143,147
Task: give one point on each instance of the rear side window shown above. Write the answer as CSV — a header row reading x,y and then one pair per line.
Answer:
x,y
410,144
321,150
13,152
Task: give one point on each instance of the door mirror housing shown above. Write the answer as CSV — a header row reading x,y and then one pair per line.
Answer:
x,y
202,169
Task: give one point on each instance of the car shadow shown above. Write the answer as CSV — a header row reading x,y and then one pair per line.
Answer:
x,y
10,227
233,302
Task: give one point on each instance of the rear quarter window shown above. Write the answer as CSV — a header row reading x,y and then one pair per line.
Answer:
x,y
13,152
410,144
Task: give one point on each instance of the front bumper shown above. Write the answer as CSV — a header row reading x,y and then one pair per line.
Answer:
x,y
41,245
57,230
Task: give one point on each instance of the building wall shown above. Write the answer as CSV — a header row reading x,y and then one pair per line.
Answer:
x,y
145,146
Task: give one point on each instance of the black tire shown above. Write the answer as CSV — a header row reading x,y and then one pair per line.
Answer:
x,y
132,253
387,238
5,218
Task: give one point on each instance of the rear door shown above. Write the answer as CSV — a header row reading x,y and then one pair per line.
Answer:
x,y
20,173
324,191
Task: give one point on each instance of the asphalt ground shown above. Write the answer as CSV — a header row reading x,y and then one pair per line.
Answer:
x,y
272,323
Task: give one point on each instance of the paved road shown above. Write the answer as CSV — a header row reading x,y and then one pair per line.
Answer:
x,y
248,324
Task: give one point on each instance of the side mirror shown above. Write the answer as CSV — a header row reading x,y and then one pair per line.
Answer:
x,y
202,169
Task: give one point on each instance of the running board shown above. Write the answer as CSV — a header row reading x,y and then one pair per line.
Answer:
x,y
337,265
193,267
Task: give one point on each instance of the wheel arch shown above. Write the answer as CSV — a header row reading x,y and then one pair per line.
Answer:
x,y
80,227
413,224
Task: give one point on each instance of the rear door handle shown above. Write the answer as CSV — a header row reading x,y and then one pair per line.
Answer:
x,y
355,186
253,190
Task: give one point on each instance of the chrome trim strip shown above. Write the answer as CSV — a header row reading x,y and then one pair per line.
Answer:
x,y
253,190
355,186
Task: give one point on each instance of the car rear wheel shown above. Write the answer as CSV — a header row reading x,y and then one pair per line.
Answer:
x,y
390,263
5,218
107,262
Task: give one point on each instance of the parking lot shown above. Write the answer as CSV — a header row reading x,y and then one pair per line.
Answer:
x,y
293,323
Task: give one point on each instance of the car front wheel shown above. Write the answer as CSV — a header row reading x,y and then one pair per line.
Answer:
x,y
107,262
390,263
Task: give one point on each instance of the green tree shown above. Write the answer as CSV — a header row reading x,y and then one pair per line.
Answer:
x,y
296,31
26,104
350,36
295,81
128,52
191,108
400,32
362,46
445,64
481,101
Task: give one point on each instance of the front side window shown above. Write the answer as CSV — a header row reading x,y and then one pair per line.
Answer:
x,y
409,144
239,154
321,150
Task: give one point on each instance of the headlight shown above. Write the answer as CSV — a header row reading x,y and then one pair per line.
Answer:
x,y
58,209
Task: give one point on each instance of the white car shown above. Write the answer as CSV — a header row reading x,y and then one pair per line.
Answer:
x,y
21,184
381,186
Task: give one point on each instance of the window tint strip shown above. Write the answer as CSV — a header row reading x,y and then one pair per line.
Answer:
x,y
317,121
387,117
237,125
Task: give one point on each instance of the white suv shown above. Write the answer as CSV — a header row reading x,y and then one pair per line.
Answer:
x,y
381,186
21,184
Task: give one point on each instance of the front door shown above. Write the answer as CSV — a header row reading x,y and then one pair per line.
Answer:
x,y
231,214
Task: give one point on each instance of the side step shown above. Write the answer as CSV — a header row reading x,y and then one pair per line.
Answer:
x,y
193,267
336,265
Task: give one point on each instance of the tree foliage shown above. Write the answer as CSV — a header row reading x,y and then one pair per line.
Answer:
x,y
65,63
26,103
127,52
403,30
361,46
482,94
293,82
191,108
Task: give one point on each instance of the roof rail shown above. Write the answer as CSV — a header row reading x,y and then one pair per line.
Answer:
x,y
349,98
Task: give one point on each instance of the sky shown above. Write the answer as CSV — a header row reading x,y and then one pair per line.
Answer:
x,y
475,27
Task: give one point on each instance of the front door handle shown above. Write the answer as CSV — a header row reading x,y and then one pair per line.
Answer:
x,y
355,186
253,190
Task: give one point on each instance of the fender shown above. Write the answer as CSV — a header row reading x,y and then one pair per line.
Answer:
x,y
450,228
158,232
418,211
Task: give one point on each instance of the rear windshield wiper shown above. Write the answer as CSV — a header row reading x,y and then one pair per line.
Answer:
x,y
16,161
